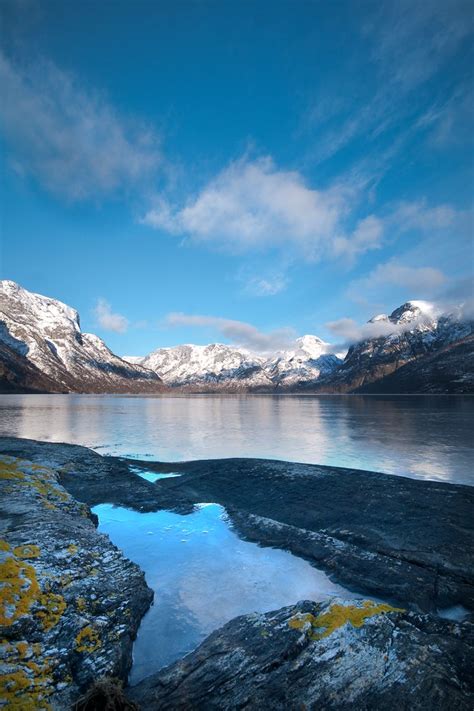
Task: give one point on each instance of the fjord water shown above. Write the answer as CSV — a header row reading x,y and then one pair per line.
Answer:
x,y
428,437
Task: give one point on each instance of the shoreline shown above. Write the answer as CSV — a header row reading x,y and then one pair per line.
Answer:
x,y
376,534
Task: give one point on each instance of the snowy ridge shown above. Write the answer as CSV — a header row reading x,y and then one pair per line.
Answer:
x,y
42,348
221,365
214,364
48,335
417,329
411,331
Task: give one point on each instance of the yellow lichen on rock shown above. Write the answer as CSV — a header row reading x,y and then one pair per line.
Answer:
x,y
19,589
22,648
9,469
72,548
81,604
24,686
88,640
29,550
41,479
52,609
337,616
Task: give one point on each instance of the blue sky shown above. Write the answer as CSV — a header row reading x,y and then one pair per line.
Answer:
x,y
242,172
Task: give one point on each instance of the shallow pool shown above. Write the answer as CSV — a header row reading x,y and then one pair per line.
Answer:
x,y
152,476
203,575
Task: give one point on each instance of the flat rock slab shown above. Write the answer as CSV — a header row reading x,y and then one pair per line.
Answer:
x,y
71,603
403,540
338,655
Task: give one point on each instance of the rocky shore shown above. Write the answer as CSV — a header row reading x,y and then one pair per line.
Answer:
x,y
72,603
338,655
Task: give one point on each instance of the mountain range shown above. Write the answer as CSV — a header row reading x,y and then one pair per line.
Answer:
x,y
414,349
42,348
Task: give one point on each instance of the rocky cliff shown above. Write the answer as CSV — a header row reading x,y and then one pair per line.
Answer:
x,y
42,348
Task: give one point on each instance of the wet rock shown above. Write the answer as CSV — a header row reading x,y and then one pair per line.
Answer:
x,y
71,602
400,539
337,655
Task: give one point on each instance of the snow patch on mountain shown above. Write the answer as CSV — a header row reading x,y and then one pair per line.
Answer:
x,y
48,334
220,365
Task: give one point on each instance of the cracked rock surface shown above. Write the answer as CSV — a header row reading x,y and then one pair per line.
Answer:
x,y
336,655
71,602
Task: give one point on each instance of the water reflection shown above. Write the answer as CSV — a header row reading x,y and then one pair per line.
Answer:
x,y
203,575
421,436
152,476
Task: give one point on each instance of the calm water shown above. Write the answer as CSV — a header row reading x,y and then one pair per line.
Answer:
x,y
203,575
421,436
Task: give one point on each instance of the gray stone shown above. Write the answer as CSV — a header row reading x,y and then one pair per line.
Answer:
x,y
311,656
71,603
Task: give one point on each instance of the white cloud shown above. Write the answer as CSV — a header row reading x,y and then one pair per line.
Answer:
x,y
420,216
251,205
265,285
237,332
407,44
351,332
68,137
416,282
108,319
367,235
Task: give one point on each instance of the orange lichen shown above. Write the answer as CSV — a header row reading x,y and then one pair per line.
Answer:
x,y
337,616
19,589
88,640
29,550
52,609
24,686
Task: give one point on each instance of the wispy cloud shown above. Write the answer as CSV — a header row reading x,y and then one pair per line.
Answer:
x,y
349,331
417,282
439,249
263,283
237,332
109,320
69,137
252,205
419,215
406,44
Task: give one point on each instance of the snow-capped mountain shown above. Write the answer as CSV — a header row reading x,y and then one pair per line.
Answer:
x,y
207,367
217,366
412,331
307,362
42,347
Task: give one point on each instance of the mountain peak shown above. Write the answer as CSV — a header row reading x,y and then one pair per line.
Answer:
x,y
311,346
58,355
413,310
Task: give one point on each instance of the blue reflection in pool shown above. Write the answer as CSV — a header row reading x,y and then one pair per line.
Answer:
x,y
203,575
152,476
